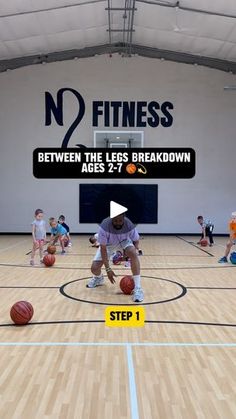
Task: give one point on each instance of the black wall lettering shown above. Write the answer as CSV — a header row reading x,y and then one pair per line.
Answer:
x,y
140,114
153,121
96,111
128,116
168,120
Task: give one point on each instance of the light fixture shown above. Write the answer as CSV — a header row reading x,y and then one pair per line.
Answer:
x,y
117,138
233,87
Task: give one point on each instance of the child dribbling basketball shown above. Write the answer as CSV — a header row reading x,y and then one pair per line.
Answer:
x,y
38,235
232,238
207,229
58,232
62,220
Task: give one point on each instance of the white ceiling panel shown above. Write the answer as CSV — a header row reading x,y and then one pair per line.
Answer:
x,y
150,16
228,52
33,27
179,42
217,6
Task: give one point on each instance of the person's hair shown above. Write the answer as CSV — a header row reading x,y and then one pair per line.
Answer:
x,y
62,217
200,217
38,211
51,220
92,239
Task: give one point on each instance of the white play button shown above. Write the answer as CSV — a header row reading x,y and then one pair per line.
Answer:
x,y
116,209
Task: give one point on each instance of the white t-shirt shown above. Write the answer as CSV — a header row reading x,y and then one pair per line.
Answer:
x,y
40,229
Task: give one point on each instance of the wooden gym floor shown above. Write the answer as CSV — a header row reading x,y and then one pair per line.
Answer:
x,y
68,364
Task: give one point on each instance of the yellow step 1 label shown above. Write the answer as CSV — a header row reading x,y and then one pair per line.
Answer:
x,y
124,316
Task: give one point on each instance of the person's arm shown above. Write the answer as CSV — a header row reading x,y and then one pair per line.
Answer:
x,y
136,244
105,260
33,234
45,233
204,231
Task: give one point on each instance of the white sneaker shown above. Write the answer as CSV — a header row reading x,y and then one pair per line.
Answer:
x,y
69,244
95,281
138,295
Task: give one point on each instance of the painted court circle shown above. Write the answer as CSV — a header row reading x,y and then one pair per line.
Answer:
x,y
69,291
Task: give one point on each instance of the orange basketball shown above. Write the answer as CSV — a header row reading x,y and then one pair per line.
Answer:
x,y
203,242
127,284
51,249
49,260
131,168
21,312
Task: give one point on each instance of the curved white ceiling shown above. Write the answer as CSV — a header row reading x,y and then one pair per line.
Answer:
x,y
205,28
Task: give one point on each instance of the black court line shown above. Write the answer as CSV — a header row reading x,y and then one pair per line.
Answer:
x,y
57,288
148,255
221,266
209,288
177,322
194,245
30,287
191,323
82,300
141,256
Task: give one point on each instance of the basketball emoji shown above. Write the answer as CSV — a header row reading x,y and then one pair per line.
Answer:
x,y
131,168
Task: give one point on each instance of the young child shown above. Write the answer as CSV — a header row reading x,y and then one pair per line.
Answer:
x,y
61,220
57,232
232,238
38,235
207,229
94,240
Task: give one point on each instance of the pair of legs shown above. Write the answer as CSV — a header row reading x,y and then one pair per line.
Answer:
x,y
61,240
69,240
37,245
229,244
209,233
130,252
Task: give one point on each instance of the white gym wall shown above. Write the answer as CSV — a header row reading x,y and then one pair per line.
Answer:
x,y
203,118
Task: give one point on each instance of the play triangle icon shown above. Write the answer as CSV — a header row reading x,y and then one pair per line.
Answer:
x,y
116,209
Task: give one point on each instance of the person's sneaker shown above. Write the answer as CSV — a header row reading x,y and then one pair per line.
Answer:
x,y
95,281
223,260
140,252
138,295
32,262
211,244
63,252
69,244
127,264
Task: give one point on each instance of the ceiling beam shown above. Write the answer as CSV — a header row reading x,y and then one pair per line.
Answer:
x,y
223,65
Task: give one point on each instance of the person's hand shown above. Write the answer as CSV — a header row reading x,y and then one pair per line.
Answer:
x,y
111,276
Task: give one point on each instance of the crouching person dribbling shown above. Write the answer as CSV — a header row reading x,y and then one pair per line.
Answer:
x,y
114,234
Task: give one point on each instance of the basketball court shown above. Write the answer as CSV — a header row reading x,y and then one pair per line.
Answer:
x,y
131,104
71,365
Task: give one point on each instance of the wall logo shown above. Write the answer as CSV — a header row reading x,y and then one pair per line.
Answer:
x,y
112,114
